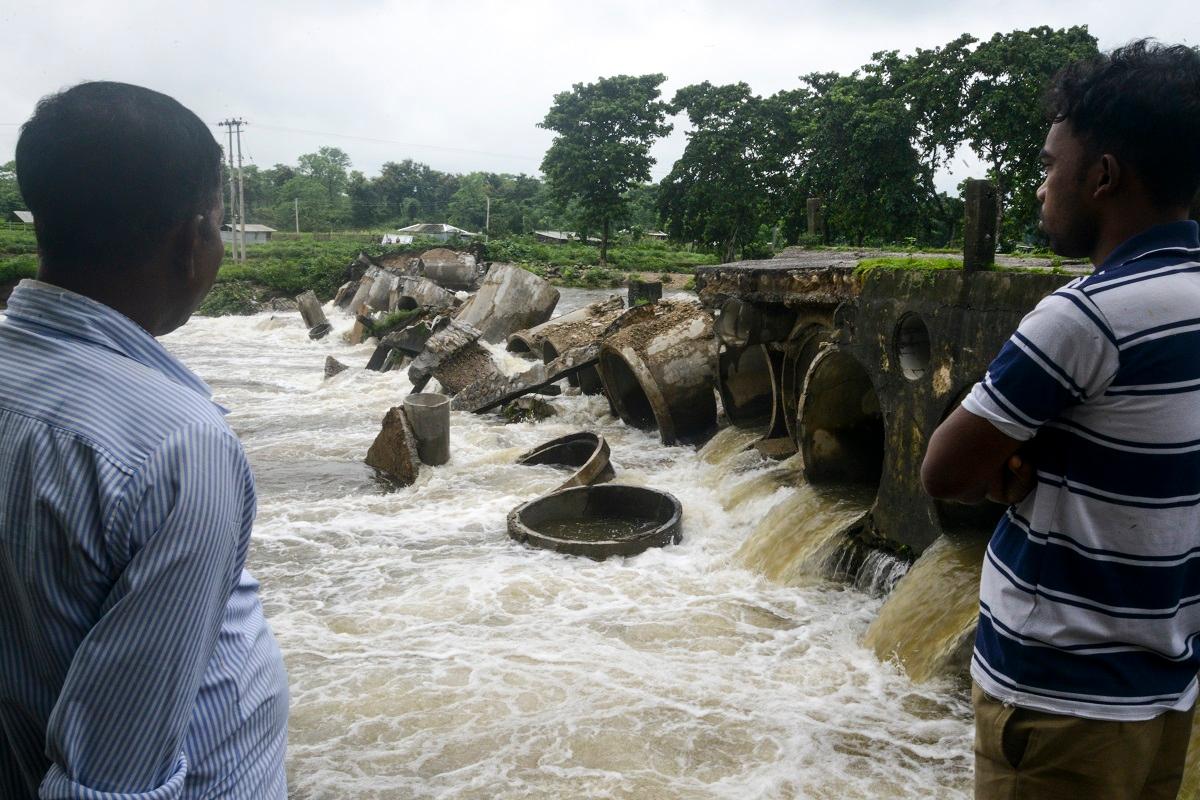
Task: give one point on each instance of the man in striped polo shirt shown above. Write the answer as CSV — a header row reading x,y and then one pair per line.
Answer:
x,y
1088,423
135,663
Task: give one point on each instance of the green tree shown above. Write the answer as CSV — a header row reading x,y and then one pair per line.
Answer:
x,y
468,207
317,212
857,151
10,193
716,192
602,147
1004,116
330,166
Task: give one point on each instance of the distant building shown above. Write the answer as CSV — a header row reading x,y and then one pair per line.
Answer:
x,y
656,235
436,230
24,216
560,237
255,234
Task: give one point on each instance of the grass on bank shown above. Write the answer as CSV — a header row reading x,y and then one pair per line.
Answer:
x,y
868,265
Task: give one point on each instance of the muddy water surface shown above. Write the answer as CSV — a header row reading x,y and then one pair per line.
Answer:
x,y
431,656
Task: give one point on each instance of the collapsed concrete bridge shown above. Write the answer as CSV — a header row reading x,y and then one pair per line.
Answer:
x,y
856,368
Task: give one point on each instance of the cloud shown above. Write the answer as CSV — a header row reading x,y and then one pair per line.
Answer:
x,y
462,85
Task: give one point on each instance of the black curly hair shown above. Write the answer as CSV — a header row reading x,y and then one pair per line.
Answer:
x,y
1141,103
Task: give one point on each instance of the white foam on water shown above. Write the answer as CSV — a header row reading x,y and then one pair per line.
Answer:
x,y
431,656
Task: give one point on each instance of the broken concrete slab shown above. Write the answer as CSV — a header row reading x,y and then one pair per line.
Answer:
x,y
333,367
359,266
449,269
345,294
394,451
494,391
440,348
359,298
358,332
510,299
410,339
466,367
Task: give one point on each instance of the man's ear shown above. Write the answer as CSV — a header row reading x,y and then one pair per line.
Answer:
x,y
185,243
1109,178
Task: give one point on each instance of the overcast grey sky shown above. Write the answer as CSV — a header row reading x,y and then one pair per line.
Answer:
x,y
462,85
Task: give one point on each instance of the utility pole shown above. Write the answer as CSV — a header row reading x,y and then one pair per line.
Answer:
x,y
487,221
239,236
296,204
232,194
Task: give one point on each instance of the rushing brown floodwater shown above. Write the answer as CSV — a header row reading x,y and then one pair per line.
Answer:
x,y
431,656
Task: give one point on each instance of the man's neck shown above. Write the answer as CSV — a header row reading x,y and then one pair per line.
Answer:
x,y
126,293
1127,224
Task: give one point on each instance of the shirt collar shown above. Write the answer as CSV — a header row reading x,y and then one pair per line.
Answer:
x,y
1170,236
79,317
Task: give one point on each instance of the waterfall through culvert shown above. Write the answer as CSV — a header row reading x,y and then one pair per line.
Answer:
x,y
928,620
431,656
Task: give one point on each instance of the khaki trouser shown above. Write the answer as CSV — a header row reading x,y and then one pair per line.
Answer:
x,y
1031,755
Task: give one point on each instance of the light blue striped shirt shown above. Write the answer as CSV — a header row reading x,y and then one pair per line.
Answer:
x,y
1090,593
135,661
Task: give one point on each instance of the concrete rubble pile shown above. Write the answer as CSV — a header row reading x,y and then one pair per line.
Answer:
x,y
573,343
655,361
563,334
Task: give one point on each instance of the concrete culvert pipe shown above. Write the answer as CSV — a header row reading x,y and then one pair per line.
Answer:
x,y
740,324
429,415
841,425
798,356
660,371
599,521
587,452
744,382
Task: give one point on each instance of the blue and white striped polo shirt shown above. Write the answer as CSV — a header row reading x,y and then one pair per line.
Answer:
x,y
134,658
1090,595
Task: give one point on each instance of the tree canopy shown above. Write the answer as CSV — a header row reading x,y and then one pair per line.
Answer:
x,y
602,147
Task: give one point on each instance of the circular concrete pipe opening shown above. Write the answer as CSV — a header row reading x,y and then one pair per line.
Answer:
x,y
797,358
841,425
910,346
744,382
519,343
626,393
599,521
961,518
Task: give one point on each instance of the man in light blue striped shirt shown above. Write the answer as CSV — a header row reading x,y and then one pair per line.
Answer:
x,y
1088,421
135,662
